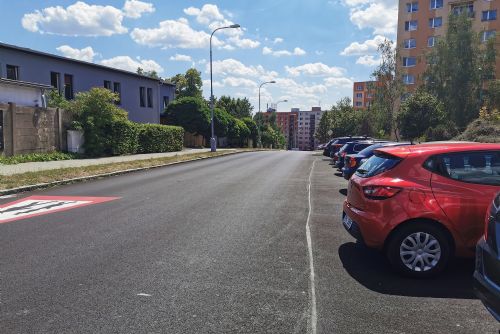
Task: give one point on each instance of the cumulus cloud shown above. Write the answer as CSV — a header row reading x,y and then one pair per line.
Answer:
x,y
338,82
377,16
238,82
296,52
243,43
206,14
278,40
79,19
173,34
367,47
315,69
368,60
179,57
128,64
135,8
85,54
235,68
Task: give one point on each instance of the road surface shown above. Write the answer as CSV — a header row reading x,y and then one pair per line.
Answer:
x,y
216,246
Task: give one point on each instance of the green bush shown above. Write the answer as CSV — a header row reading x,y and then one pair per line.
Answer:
x,y
37,157
124,137
481,130
444,131
191,113
155,138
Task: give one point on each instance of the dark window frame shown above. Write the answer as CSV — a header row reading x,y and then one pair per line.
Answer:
x,y
57,80
10,68
107,84
117,88
149,97
69,94
142,97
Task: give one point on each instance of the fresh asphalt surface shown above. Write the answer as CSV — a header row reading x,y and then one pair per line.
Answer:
x,y
216,246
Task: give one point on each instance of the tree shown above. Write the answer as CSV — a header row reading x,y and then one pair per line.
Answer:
x,y
419,112
324,127
388,90
192,114
493,95
252,126
152,74
239,108
458,65
188,84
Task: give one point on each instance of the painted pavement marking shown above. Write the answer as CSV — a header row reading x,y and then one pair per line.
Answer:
x,y
41,205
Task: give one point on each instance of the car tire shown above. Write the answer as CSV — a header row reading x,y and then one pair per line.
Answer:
x,y
419,250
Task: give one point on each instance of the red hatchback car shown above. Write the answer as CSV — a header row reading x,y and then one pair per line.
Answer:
x,y
423,204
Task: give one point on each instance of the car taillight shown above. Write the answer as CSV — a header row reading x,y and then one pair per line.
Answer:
x,y
380,192
352,163
344,154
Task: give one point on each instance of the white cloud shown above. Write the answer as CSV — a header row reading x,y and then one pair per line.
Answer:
x,y
234,67
206,15
244,43
135,8
315,69
128,64
296,52
278,40
173,34
367,47
179,57
319,53
85,54
338,82
238,82
78,19
368,60
380,17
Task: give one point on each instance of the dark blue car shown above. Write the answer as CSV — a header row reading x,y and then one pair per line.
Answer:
x,y
487,273
353,161
351,147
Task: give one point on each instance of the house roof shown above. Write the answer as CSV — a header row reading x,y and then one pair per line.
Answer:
x,y
49,55
24,84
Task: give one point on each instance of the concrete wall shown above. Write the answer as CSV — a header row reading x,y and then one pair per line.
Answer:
x,y
31,129
37,68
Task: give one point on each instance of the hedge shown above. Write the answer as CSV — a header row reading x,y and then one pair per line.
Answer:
x,y
155,138
124,137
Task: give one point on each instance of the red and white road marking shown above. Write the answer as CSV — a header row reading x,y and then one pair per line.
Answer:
x,y
41,205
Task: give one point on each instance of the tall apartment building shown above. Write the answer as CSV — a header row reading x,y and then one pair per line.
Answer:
x,y
363,94
422,22
288,123
308,123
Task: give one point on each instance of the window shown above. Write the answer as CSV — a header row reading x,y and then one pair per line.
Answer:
x,y
436,22
377,164
472,167
150,97
359,87
489,15
359,95
68,87
117,88
12,72
411,25
54,80
412,7
409,61
142,96
435,4
408,79
359,104
431,41
485,35
166,101
466,8
410,43
107,84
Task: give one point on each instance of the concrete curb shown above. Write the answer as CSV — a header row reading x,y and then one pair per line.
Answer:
x,y
98,176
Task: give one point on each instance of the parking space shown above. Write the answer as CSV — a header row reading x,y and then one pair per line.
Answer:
x,y
357,291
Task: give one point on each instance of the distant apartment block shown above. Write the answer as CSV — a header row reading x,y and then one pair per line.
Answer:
x,y
363,94
308,123
144,98
422,23
288,123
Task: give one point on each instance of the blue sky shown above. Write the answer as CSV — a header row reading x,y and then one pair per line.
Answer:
x,y
313,49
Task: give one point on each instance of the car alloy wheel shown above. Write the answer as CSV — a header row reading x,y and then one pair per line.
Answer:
x,y
420,251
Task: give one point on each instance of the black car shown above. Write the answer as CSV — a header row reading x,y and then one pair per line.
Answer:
x,y
335,144
487,273
350,148
353,161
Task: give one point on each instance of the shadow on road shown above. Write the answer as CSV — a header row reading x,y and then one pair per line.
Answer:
x,y
338,174
370,268
343,191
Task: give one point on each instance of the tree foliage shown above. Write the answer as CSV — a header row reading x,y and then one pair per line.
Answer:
x,y
152,74
419,112
458,65
238,108
188,84
191,113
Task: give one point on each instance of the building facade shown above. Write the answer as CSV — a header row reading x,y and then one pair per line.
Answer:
x,y
363,94
144,98
422,23
308,123
288,123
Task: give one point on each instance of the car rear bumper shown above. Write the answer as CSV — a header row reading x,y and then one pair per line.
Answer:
x,y
486,287
367,227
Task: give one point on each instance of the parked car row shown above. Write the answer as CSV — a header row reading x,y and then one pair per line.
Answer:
x,y
424,204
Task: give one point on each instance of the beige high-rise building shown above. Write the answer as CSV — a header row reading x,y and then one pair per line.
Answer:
x,y
422,22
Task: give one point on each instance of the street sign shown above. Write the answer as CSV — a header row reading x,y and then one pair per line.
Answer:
x,y
40,205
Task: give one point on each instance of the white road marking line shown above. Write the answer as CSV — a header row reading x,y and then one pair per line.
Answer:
x,y
8,196
144,295
314,319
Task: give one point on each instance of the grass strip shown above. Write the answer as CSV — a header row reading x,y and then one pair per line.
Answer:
x,y
57,175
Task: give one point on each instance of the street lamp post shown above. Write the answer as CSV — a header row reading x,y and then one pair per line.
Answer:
x,y
262,84
213,143
279,103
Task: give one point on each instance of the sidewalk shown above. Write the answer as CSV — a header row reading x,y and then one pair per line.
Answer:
x,y
49,165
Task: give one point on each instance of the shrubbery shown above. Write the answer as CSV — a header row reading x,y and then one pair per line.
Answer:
x,y
36,157
160,138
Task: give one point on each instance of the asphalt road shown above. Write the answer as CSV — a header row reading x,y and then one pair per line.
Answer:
x,y
216,246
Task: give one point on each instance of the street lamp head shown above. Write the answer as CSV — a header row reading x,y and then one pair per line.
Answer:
x,y
272,81
234,26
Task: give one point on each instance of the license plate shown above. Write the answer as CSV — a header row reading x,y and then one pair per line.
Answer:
x,y
347,221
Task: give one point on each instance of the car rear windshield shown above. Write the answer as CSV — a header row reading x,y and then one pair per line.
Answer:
x,y
378,163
